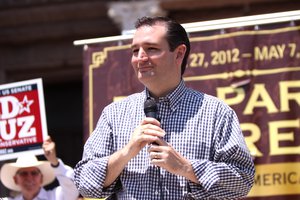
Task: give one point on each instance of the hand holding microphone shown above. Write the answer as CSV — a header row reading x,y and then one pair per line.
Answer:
x,y
148,131
161,153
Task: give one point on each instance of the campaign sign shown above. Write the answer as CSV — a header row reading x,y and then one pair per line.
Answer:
x,y
22,118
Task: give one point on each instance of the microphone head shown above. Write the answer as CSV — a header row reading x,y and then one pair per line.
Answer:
x,y
150,108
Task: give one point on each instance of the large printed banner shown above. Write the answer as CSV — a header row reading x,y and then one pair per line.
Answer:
x,y
22,118
255,69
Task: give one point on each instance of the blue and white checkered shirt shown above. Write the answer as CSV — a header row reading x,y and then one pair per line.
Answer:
x,y
200,127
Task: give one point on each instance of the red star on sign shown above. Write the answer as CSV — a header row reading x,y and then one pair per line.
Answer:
x,y
25,105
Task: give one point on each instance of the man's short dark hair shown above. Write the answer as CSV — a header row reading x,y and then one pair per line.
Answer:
x,y
176,34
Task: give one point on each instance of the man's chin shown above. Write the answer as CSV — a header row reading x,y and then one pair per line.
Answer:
x,y
31,188
146,74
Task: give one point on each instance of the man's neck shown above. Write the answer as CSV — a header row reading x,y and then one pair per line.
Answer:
x,y
157,92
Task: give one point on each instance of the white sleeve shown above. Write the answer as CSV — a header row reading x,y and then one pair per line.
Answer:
x,y
66,189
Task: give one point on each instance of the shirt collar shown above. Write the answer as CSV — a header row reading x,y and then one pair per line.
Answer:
x,y
42,195
173,98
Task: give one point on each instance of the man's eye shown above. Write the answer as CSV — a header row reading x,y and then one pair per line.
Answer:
x,y
134,51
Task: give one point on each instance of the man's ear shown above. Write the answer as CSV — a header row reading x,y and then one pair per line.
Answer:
x,y
42,177
15,180
180,52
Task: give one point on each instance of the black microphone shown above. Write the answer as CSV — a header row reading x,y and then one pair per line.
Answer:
x,y
150,108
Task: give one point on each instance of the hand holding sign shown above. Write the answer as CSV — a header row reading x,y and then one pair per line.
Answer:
x,y
50,151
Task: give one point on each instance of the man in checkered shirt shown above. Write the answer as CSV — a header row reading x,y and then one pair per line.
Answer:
x,y
195,150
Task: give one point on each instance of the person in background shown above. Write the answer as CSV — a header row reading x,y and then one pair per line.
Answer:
x,y
28,176
193,149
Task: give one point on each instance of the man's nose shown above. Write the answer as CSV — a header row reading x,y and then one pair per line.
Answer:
x,y
142,55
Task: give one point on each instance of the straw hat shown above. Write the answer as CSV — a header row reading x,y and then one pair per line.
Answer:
x,y
8,170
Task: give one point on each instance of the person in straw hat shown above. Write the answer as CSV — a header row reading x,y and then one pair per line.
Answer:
x,y
28,176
